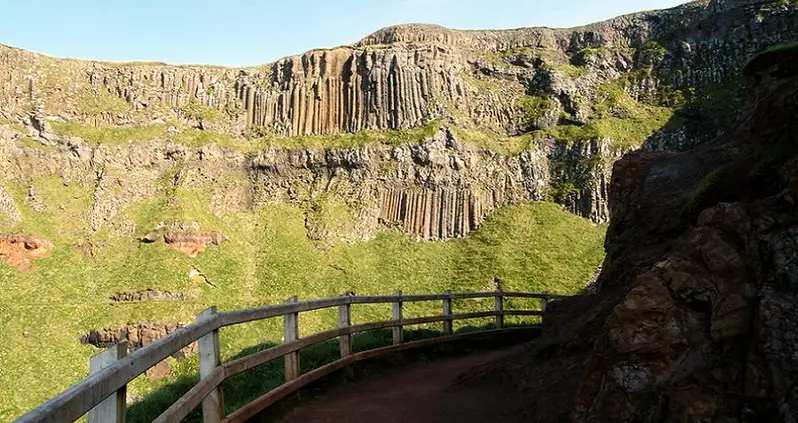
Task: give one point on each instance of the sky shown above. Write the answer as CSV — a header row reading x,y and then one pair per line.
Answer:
x,y
250,32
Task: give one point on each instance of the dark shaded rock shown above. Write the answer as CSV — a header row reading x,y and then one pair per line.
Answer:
x,y
696,317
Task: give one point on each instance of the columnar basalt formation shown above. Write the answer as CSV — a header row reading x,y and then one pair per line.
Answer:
x,y
406,76
580,97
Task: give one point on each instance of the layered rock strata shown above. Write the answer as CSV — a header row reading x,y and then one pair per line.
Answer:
x,y
546,83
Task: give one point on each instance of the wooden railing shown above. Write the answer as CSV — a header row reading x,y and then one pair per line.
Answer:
x,y
102,394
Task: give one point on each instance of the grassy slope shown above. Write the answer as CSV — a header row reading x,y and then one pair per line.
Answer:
x,y
532,246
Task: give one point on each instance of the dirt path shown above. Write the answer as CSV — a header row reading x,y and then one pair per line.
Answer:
x,y
418,393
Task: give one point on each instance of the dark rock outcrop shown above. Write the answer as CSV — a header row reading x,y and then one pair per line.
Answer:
x,y
151,295
137,336
695,318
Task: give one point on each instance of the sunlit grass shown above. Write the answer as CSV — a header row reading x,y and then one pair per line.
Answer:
x,y
268,258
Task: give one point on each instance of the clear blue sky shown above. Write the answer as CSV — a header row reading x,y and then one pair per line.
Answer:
x,y
250,32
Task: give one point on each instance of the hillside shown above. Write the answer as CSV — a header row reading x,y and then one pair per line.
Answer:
x,y
133,195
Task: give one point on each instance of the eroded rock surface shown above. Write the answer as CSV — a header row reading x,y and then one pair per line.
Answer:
x,y
19,250
152,295
139,335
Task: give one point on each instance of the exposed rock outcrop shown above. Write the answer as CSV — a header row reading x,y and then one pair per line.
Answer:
x,y
192,244
152,295
695,316
19,250
139,335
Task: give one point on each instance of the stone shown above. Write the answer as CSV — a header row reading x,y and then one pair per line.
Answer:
x,y
19,250
160,371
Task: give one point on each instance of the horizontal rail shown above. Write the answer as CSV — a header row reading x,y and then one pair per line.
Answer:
x,y
78,399
261,403
253,360
230,318
193,398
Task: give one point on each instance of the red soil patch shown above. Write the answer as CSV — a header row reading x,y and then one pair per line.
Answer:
x,y
192,244
20,250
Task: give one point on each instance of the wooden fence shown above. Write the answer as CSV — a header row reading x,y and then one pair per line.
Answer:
x,y
102,394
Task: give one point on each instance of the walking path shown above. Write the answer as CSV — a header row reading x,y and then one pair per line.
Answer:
x,y
417,393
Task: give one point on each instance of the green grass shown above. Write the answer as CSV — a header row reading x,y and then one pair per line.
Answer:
x,y
572,71
616,115
783,47
98,101
481,84
193,137
699,193
15,126
533,108
502,144
114,136
201,112
350,140
530,247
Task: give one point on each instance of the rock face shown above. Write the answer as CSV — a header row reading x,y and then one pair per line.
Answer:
x,y
152,295
582,97
695,319
137,336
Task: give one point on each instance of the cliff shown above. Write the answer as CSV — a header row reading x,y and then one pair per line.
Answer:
x,y
574,99
695,315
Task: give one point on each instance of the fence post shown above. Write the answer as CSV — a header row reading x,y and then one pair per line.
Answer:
x,y
447,312
397,315
499,309
291,333
345,320
543,304
209,360
111,409
345,341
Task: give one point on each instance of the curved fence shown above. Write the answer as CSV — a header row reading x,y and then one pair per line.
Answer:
x,y
102,394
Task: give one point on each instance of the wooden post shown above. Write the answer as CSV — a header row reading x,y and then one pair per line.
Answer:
x,y
112,409
291,333
209,360
447,312
543,304
499,309
345,341
345,320
397,315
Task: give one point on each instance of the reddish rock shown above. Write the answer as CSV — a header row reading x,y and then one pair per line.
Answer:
x,y
20,250
193,243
